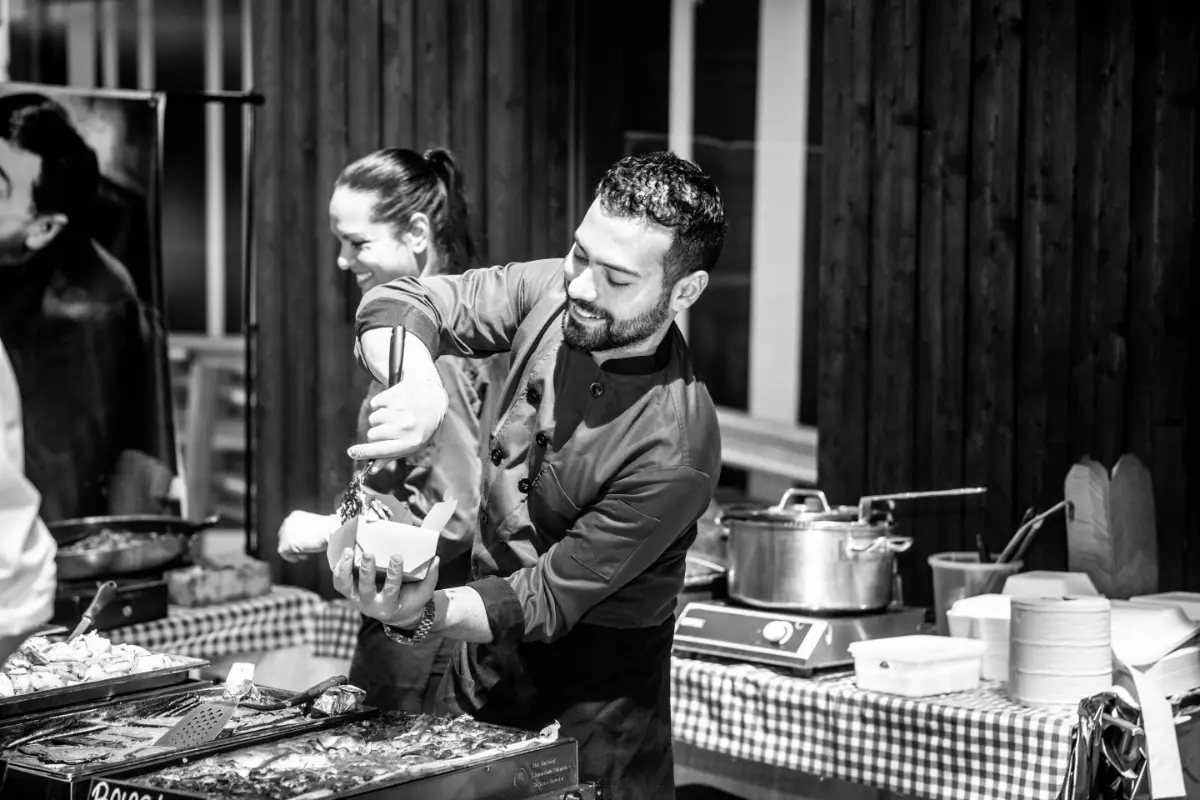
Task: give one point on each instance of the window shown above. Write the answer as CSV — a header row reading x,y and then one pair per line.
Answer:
x,y
153,44
734,85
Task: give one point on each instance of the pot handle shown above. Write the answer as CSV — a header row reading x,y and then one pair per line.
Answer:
x,y
880,544
792,494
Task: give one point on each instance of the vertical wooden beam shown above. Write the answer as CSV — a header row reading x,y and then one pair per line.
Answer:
x,y
843,330
433,74
295,281
508,167
942,270
893,231
1191,533
398,82
468,108
344,102
358,123
1047,257
1098,346
1163,205
994,248
270,397
537,122
560,226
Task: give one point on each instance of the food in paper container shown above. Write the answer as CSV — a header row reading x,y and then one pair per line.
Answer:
x,y
417,545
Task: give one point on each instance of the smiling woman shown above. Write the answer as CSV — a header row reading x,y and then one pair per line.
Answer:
x,y
398,213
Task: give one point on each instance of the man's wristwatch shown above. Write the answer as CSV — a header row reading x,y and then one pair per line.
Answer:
x,y
403,636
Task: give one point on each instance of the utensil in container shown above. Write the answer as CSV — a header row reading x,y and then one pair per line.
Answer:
x,y
104,594
298,699
201,725
353,503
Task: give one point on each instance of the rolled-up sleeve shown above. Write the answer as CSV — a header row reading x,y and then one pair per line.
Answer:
x,y
472,315
612,542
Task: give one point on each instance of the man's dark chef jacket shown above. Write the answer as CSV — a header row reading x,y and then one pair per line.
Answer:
x,y
594,481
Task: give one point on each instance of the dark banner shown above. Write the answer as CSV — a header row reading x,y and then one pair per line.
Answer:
x,y
81,297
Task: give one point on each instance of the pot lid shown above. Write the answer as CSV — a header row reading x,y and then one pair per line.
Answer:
x,y
797,506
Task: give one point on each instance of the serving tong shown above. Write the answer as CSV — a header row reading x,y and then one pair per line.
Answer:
x,y
355,501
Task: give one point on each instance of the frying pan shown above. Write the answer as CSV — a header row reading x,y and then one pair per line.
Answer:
x,y
173,541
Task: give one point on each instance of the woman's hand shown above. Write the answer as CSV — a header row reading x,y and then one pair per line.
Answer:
x,y
304,533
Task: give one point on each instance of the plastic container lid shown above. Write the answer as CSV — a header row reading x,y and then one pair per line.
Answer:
x,y
918,649
1049,582
983,606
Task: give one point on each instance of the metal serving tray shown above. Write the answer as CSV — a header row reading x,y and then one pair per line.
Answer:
x,y
25,720
27,779
47,699
544,770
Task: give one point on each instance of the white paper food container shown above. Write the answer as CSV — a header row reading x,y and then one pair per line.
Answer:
x,y
985,617
417,545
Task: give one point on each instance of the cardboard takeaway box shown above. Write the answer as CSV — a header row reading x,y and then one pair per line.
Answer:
x,y
416,544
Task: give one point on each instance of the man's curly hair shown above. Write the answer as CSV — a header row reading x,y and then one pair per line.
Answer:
x,y
674,193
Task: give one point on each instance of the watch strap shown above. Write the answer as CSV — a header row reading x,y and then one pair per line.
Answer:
x,y
402,636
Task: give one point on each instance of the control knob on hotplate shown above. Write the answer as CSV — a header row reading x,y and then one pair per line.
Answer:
x,y
777,631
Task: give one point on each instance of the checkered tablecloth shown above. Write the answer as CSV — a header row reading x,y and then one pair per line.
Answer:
x,y
287,617
967,745
336,630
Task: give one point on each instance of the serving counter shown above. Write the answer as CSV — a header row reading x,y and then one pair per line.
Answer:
x,y
748,730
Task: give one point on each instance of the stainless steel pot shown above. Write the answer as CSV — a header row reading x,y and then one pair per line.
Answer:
x,y
815,558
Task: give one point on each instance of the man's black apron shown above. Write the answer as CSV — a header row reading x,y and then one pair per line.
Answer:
x,y
609,689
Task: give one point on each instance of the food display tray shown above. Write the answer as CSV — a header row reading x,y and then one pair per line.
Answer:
x,y
545,770
24,778
47,699
25,720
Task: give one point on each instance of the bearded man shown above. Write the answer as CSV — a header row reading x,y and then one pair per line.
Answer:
x,y
605,454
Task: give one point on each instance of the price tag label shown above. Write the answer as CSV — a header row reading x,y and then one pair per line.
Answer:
x,y
109,789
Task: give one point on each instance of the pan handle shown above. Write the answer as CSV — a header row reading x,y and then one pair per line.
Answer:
x,y
880,544
864,504
211,521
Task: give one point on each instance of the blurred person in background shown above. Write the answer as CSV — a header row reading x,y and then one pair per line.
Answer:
x,y
77,335
27,571
398,213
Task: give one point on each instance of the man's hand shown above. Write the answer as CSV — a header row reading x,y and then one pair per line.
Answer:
x,y
303,533
407,415
398,604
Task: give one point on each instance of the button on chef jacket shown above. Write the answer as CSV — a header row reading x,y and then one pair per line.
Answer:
x,y
592,484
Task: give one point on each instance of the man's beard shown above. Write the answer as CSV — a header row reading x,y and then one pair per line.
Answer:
x,y
606,333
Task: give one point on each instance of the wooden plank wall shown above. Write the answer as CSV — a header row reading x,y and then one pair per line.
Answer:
x,y
489,78
1008,238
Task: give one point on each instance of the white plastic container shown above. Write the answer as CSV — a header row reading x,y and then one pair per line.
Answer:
x,y
1049,583
918,666
985,617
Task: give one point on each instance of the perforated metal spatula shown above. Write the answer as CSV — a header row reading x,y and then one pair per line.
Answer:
x,y
201,725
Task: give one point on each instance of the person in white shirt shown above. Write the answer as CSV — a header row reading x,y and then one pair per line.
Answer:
x,y
27,571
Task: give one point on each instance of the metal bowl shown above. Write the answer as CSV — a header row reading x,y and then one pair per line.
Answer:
x,y
161,541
